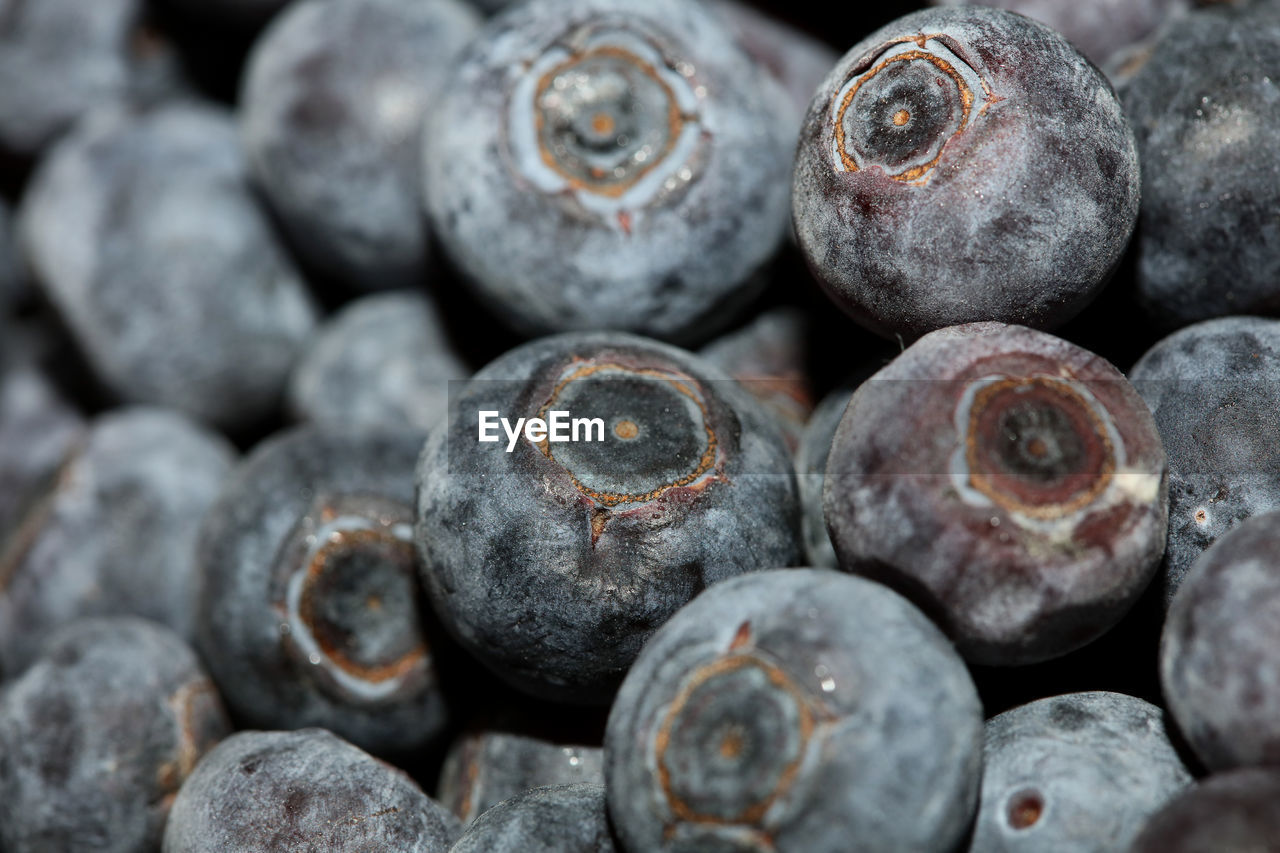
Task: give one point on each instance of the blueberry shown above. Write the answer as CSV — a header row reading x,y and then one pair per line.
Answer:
x,y
1214,389
1099,28
38,428
383,360
1074,773
487,766
1011,483
811,469
769,356
964,164
97,737
310,599
553,562
795,710
552,819
113,531
1208,241
61,58
306,791
1233,812
608,164
1218,665
331,113
143,233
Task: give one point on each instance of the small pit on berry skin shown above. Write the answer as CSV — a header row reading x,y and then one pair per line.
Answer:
x,y
901,117
626,430
1025,809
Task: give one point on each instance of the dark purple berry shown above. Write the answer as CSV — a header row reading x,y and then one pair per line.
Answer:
x,y
553,561
310,609
98,735
1231,812
1009,482
263,792
795,711
1218,661
608,164
960,165
811,474
1078,773
1206,110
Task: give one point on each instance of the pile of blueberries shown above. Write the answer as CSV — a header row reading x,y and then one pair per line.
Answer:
x,y
930,572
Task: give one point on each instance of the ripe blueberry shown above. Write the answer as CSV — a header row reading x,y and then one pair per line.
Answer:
x,y
113,531
795,710
310,599
1009,482
261,792
332,108
964,164
98,735
554,562
553,819
1234,811
1073,774
1214,389
1218,664
607,164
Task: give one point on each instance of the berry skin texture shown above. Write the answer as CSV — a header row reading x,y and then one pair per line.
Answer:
x,y
308,790
113,531
608,164
59,59
1074,774
38,428
795,710
1009,482
1233,811
310,599
1214,389
98,735
1218,666
552,564
382,361
142,231
961,165
333,103
554,819
1099,28
483,768
1208,242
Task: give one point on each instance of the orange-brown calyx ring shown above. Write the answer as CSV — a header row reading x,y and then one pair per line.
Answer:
x,y
658,433
1040,447
898,111
733,741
